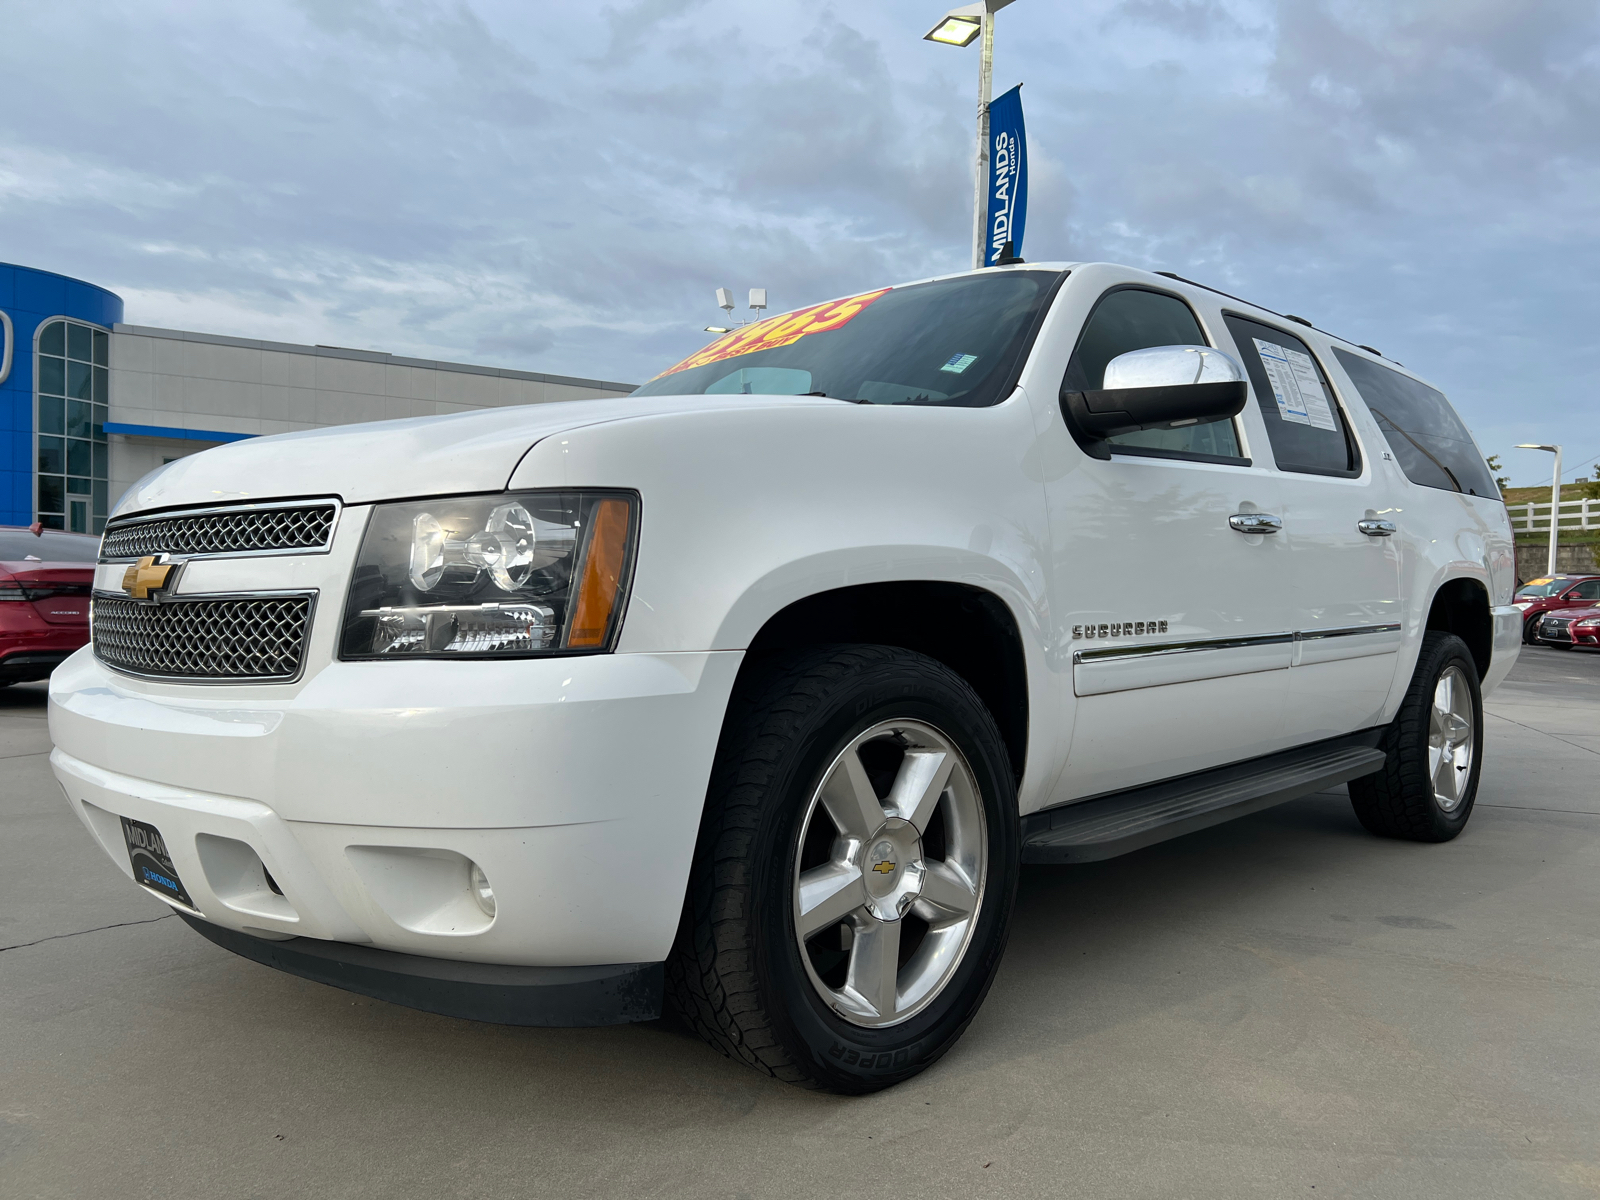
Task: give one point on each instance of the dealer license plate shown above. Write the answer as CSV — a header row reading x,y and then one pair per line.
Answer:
x,y
152,865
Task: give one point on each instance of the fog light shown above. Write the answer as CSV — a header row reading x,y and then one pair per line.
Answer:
x,y
481,891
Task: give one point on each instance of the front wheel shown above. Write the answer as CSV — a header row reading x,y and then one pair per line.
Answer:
x,y
1425,790
857,864
1530,632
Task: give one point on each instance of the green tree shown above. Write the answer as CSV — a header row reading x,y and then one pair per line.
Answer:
x,y
1501,481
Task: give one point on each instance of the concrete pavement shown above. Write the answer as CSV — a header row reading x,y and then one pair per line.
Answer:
x,y
1284,1006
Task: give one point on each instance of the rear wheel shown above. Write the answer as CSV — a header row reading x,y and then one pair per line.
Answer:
x,y
857,863
1426,788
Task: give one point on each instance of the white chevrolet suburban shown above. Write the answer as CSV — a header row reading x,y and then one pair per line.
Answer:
x,y
748,694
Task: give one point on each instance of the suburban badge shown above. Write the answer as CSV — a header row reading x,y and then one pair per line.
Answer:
x,y
1119,629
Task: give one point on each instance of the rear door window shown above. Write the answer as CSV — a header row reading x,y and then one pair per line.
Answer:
x,y
1429,441
1308,432
1128,319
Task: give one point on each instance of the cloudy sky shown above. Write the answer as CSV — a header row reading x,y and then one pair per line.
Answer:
x,y
560,187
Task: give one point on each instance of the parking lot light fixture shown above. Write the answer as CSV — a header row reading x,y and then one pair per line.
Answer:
x,y
956,29
1555,499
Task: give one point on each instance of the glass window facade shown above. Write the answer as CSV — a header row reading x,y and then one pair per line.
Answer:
x,y
71,396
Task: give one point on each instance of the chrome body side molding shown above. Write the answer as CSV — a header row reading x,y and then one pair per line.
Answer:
x,y
1119,668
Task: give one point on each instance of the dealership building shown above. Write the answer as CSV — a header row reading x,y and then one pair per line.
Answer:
x,y
89,404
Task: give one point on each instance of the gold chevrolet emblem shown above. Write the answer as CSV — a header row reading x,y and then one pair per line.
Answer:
x,y
146,576
883,868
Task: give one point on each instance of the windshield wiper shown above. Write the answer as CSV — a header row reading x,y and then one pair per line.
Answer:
x,y
825,396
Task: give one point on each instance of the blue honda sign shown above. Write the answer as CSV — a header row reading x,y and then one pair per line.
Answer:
x,y
1008,176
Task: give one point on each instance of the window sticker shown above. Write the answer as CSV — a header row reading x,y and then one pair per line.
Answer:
x,y
783,330
1296,385
959,363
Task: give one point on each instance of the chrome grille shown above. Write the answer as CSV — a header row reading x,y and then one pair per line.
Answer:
x,y
222,531
1558,628
249,637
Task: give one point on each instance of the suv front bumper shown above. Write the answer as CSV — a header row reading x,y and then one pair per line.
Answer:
x,y
366,793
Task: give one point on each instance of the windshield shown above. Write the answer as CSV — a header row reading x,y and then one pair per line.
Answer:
x,y
17,545
1540,588
951,342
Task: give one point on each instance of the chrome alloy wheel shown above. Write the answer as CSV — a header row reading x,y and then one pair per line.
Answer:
x,y
1450,739
889,873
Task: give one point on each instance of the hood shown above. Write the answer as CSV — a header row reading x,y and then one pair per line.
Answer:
x,y
384,460
1577,614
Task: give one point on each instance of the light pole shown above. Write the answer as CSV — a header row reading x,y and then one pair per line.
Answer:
x,y
961,27
1555,499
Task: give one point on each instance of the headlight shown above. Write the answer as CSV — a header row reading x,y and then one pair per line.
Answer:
x,y
491,576
1524,605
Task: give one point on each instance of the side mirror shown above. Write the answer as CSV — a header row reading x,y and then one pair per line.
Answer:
x,y
1162,387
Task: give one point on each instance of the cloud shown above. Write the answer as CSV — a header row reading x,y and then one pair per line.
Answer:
x,y
560,188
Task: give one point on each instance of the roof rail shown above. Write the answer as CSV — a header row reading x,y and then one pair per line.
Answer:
x,y
1264,308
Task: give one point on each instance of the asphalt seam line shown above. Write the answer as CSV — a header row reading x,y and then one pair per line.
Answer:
x,y
1557,737
1571,812
55,937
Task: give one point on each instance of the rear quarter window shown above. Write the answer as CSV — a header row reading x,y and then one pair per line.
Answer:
x,y
1428,439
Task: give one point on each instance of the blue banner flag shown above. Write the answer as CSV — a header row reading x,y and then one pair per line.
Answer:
x,y
1008,176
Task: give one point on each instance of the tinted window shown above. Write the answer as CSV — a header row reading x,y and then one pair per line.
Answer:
x,y
1134,319
1586,591
1304,424
16,545
951,342
1429,441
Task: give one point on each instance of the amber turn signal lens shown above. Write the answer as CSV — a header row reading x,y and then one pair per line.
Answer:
x,y
601,576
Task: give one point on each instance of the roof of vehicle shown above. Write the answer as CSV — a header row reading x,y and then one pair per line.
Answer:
x,y
1173,277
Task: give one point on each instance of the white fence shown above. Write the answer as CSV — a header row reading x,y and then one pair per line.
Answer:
x,y
1535,518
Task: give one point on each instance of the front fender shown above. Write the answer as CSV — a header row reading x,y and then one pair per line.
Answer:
x,y
744,513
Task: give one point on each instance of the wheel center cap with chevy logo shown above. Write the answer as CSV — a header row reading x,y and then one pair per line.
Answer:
x,y
893,869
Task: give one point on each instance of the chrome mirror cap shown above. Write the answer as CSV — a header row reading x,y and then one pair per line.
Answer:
x,y
1171,366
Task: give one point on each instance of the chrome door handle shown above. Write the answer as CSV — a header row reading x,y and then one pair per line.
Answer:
x,y
1255,523
1377,528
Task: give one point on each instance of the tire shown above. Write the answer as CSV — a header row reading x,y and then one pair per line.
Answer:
x,y
812,1011
1530,631
1427,786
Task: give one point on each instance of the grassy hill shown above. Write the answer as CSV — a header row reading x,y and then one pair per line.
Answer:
x,y
1541,495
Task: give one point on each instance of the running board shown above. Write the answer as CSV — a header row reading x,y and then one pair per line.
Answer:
x,y
1109,825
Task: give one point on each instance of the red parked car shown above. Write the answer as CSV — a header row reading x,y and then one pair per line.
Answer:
x,y
1540,596
1570,627
45,577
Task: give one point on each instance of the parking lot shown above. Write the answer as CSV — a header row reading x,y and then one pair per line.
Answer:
x,y
1283,1006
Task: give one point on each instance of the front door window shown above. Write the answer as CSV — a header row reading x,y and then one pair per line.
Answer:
x,y
1128,319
